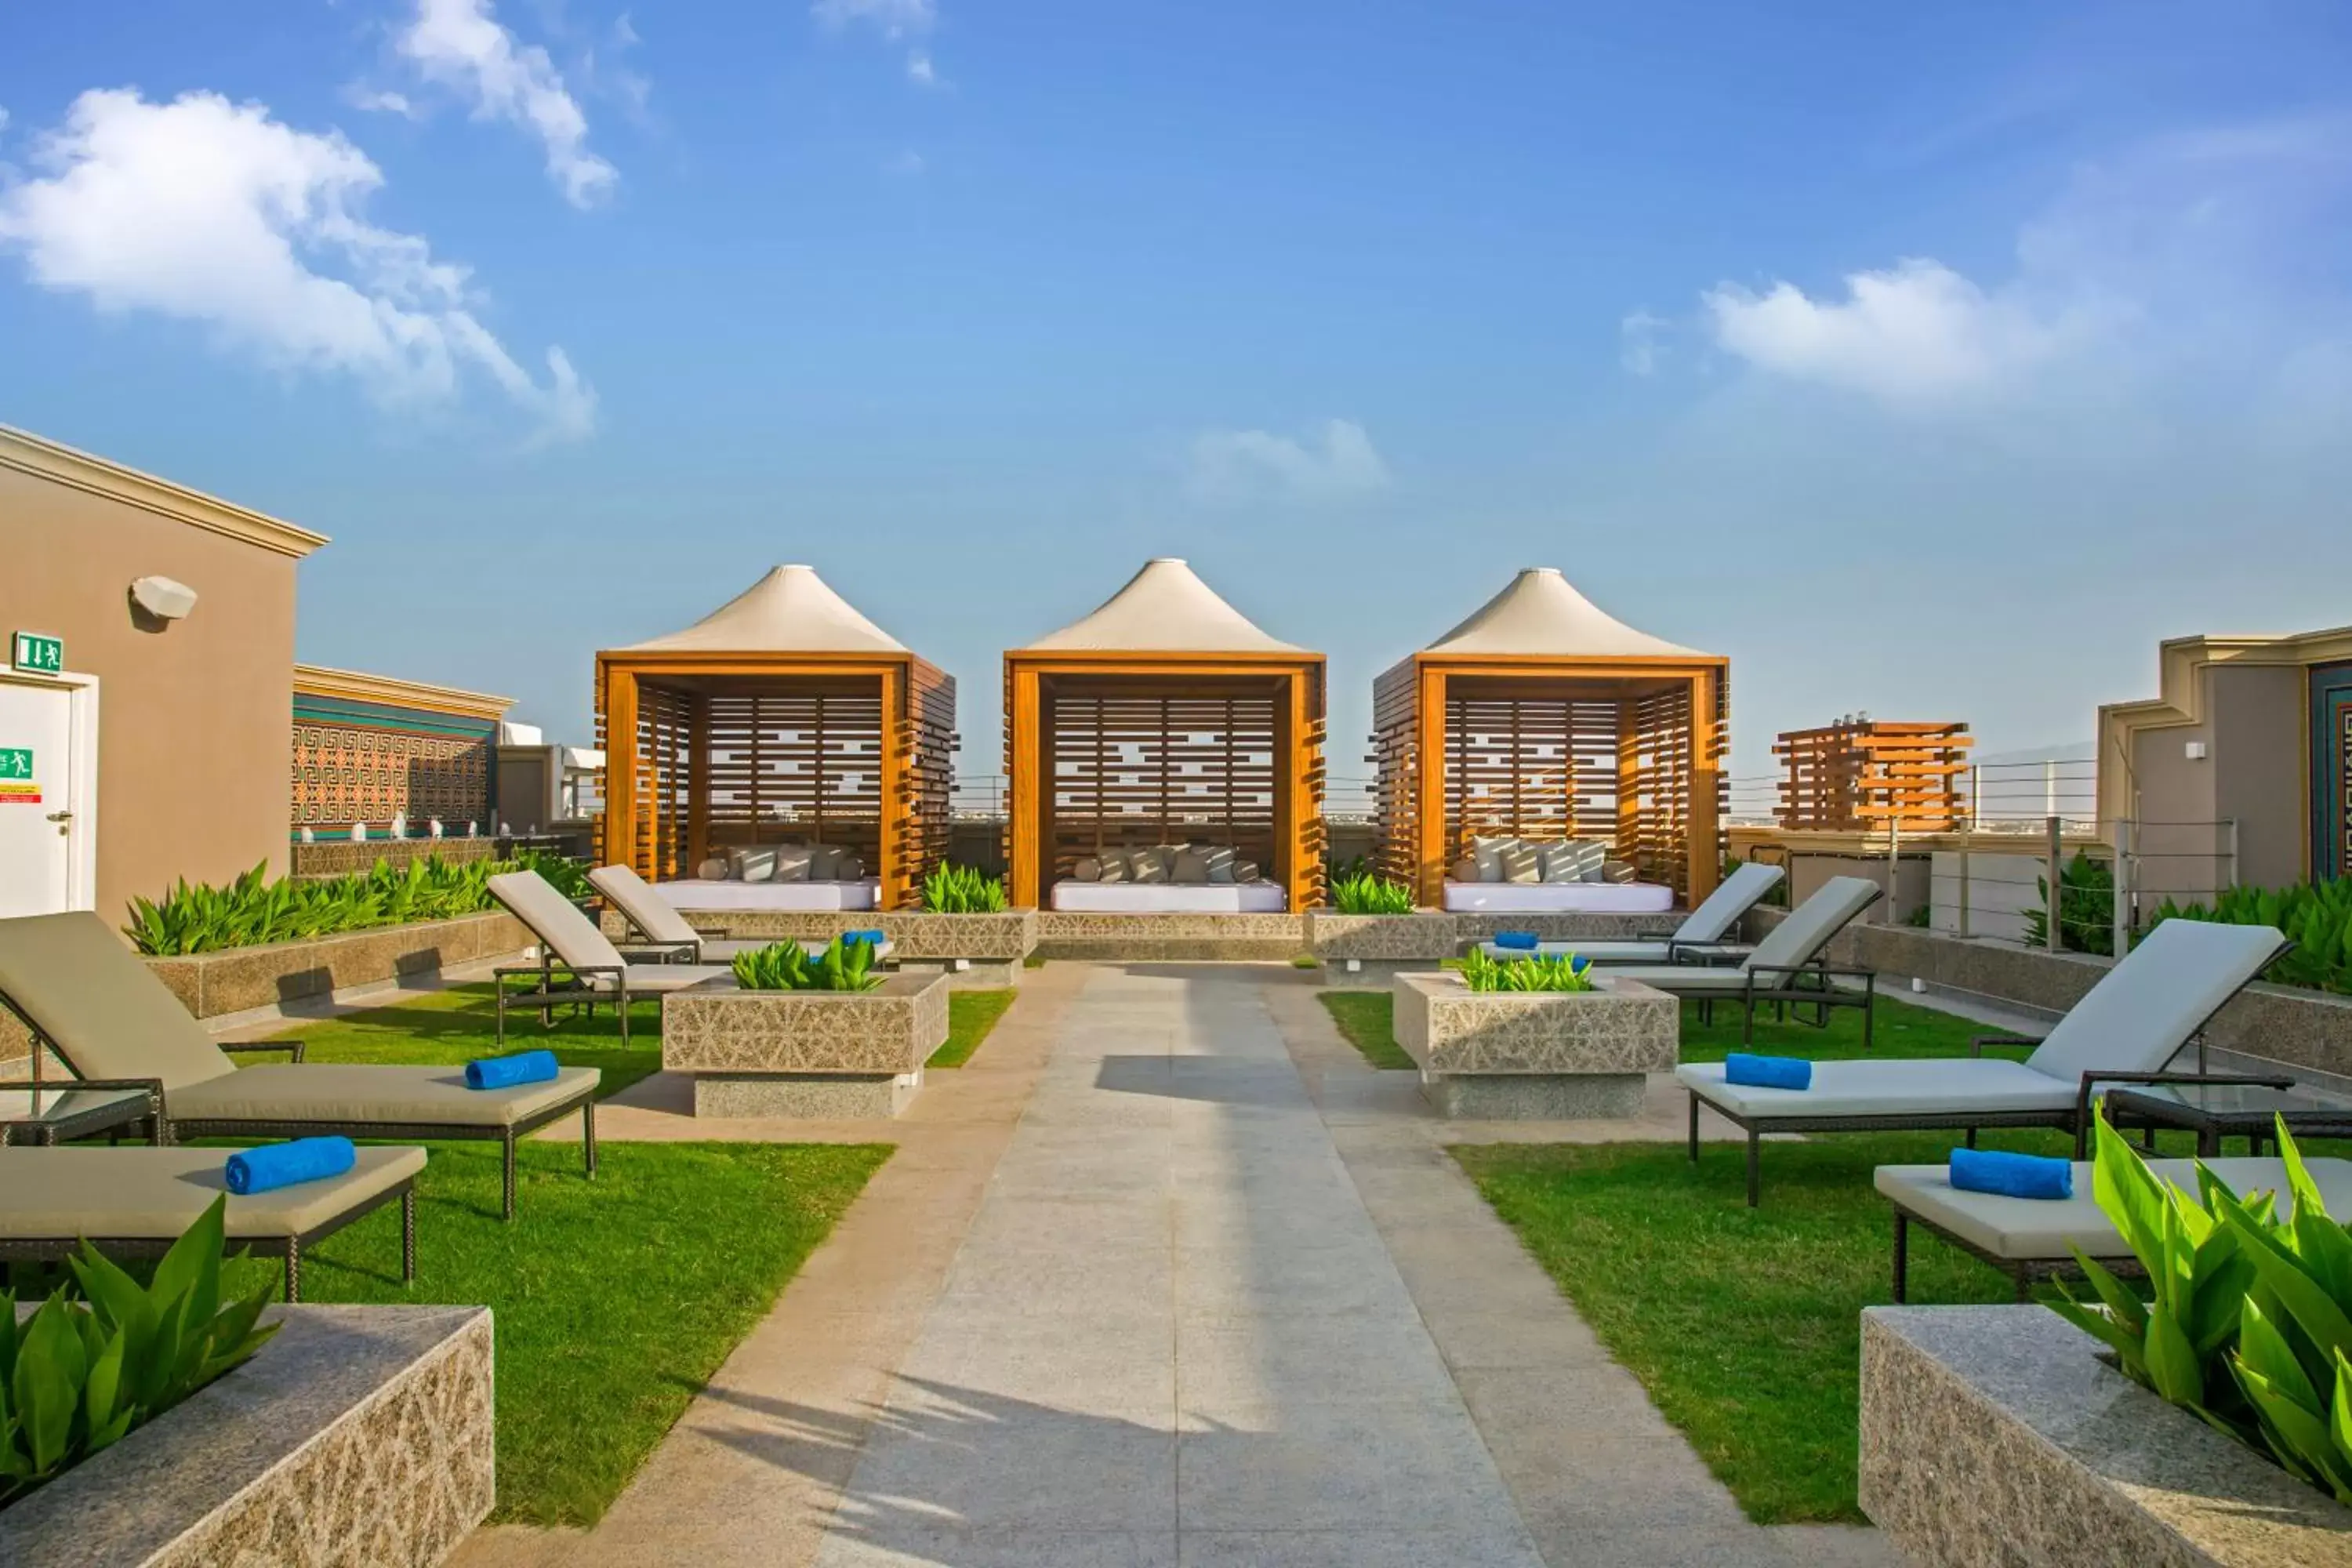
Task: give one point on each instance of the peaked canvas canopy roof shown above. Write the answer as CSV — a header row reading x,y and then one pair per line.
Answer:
x,y
790,610
1539,614
1165,607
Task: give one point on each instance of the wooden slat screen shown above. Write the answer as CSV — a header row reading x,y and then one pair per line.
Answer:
x,y
1863,774
926,746
1134,766
1527,766
1396,741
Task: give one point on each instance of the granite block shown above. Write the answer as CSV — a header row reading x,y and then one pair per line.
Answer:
x,y
359,1436
1425,935
1149,938
1549,1056
236,979
810,1097
1998,1437
892,1030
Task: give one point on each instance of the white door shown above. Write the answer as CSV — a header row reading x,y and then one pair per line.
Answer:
x,y
36,796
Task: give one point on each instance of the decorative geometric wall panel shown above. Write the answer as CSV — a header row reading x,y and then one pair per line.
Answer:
x,y
355,761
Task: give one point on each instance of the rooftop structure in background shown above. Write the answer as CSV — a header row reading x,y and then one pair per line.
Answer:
x,y
1542,716
374,749
1165,716
782,716
1864,774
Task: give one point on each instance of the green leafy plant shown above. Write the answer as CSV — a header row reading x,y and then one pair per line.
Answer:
x,y
2249,1324
2087,908
786,966
2316,916
254,909
1534,973
954,889
1365,893
74,1377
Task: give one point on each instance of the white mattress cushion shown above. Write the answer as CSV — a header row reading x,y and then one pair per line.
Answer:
x,y
697,894
1685,979
1559,898
2046,1229
1900,1086
1169,897
2146,1008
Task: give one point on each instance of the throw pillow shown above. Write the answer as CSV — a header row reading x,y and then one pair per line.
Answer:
x,y
1489,854
1113,868
824,862
1520,862
754,863
1618,872
848,869
1577,861
1245,871
1192,865
792,863
714,869
1220,862
1464,871
1145,865
1087,869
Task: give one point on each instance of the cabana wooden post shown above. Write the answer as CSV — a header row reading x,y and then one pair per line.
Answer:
x,y
1542,717
1164,717
785,715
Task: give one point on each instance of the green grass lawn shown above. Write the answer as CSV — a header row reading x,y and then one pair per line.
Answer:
x,y
970,1016
451,1027
1366,1017
1742,1323
615,1300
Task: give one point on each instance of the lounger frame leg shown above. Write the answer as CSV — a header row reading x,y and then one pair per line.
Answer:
x,y
1902,1257
507,1142
1694,1126
588,1134
408,1235
1755,1166
293,1270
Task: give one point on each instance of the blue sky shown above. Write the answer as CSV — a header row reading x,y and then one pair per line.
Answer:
x,y
1932,361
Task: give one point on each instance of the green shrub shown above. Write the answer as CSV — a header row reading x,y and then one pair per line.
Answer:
x,y
2087,908
1534,973
954,889
2250,1323
1364,893
786,966
254,909
74,1377
2316,916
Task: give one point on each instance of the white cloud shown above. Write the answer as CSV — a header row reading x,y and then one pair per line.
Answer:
x,y
372,100
1917,332
920,70
212,211
899,21
908,164
1638,349
1241,465
459,45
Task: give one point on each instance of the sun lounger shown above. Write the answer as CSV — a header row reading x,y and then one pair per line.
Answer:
x,y
578,965
1786,967
1700,939
2031,1238
76,987
2125,1030
134,1202
652,917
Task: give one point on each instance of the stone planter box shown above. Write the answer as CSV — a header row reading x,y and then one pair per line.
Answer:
x,y
358,1435
1369,950
819,1054
1997,1435
1573,925
342,857
1499,1055
244,978
1149,938
970,950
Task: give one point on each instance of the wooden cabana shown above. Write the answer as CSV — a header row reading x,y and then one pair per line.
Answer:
x,y
1165,717
1542,717
782,716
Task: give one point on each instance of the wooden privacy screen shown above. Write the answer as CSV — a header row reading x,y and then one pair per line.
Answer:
x,y
861,759
1542,750
1857,775
1163,753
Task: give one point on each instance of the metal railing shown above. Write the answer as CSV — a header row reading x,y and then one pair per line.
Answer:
x,y
2108,889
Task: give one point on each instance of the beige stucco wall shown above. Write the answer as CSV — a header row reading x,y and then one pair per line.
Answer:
x,y
192,720
2253,773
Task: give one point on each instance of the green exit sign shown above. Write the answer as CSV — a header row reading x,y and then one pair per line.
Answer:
x,y
16,762
42,655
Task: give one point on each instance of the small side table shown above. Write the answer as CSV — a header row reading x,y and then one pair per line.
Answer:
x,y
61,1112
2215,1111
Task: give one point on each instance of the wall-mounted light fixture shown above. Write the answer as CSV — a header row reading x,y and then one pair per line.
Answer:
x,y
2195,751
163,597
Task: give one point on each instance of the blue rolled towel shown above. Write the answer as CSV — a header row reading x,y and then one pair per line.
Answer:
x,y
1578,963
507,1072
1516,939
1768,1072
2012,1175
275,1165
871,938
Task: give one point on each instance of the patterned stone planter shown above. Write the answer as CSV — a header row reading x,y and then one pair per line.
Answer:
x,y
1998,1437
970,950
1368,950
213,984
1508,1055
819,1054
1146,938
360,1435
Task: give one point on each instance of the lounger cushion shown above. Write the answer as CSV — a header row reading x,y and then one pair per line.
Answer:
x,y
646,908
1898,1087
1799,939
153,1194
1732,897
1651,952
2048,1230
355,1096
105,1011
660,979
1685,979
555,920
2140,1013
